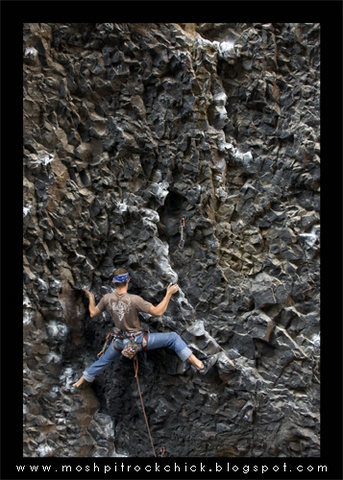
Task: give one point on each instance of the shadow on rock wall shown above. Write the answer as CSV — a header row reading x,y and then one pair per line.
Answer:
x,y
127,129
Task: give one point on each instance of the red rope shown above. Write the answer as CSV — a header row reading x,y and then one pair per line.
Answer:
x,y
135,366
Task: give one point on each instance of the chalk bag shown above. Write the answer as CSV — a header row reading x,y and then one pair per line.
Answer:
x,y
130,350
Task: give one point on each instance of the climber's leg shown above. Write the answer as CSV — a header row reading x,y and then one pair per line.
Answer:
x,y
173,341
98,366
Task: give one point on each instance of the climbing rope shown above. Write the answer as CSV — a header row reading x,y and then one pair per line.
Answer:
x,y
135,366
182,226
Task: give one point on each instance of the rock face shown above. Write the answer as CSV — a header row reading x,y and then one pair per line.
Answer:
x,y
127,129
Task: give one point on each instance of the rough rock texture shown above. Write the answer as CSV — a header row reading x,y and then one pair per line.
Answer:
x,y
128,128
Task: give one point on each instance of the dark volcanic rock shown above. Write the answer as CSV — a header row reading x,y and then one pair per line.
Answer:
x,y
128,128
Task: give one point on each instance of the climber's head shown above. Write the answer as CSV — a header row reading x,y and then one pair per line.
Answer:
x,y
121,278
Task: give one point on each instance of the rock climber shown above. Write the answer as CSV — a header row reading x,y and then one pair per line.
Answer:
x,y
124,308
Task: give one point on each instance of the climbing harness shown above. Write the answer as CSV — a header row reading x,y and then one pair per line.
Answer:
x,y
182,226
135,366
130,348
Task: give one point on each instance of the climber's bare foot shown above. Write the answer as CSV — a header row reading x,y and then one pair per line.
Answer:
x,y
200,365
196,362
79,382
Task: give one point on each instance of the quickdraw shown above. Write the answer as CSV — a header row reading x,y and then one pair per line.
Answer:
x,y
182,226
105,346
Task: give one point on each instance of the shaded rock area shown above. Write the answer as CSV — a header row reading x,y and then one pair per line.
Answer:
x,y
127,129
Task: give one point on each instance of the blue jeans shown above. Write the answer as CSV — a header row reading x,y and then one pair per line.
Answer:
x,y
155,340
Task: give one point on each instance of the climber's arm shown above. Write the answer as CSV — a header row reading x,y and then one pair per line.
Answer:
x,y
93,310
159,310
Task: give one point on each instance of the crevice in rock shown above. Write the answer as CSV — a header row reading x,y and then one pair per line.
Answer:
x,y
170,213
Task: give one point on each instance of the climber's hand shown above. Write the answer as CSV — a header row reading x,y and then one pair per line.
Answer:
x,y
87,292
93,310
173,288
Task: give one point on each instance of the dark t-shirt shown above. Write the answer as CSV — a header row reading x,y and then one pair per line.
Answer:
x,y
124,310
